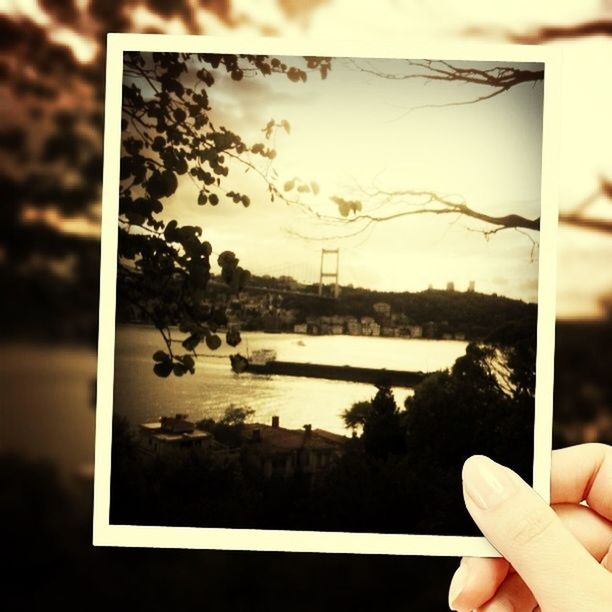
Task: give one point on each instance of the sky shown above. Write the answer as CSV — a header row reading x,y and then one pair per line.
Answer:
x,y
585,130
352,132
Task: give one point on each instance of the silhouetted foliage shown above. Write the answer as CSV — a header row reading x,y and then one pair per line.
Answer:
x,y
168,132
227,430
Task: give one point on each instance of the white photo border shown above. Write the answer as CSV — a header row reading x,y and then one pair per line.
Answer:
x,y
107,534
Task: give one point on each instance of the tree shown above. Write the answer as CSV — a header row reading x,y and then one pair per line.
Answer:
x,y
52,79
168,132
499,80
228,428
357,415
375,204
383,434
484,404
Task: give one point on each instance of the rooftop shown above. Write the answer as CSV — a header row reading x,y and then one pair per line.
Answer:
x,y
276,438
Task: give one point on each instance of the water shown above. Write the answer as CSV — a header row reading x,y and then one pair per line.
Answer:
x,y
141,396
46,408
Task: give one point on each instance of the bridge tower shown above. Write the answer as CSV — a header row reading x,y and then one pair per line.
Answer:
x,y
329,274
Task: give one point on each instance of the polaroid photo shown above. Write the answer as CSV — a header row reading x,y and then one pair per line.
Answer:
x,y
327,279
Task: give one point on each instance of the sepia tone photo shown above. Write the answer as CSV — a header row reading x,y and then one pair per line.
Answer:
x,y
325,293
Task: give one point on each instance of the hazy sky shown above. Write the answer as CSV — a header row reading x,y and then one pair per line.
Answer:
x,y
352,130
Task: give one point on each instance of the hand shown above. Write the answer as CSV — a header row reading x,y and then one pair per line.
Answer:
x,y
558,560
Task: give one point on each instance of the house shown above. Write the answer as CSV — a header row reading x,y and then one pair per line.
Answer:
x,y
382,308
172,435
300,328
313,329
278,452
415,331
353,327
429,329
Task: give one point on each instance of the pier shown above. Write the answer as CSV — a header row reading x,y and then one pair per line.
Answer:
x,y
392,378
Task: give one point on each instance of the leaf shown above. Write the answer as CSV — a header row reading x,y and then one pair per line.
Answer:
x,y
158,143
163,369
170,233
289,185
315,187
179,369
188,362
161,356
213,342
232,337
286,125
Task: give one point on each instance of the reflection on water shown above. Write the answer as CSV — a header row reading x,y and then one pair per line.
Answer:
x,y
140,395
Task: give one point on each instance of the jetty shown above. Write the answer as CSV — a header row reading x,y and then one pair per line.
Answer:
x,y
373,376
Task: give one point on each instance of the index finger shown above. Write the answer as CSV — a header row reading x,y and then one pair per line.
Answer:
x,y
583,473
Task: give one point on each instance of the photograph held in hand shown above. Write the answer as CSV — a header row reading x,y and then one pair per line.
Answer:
x,y
327,280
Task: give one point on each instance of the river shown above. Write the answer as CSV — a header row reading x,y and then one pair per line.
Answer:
x,y
141,396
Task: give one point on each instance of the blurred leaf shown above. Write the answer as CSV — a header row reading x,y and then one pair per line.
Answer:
x,y
213,342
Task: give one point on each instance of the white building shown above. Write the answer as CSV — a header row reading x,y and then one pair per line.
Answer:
x,y
172,435
382,308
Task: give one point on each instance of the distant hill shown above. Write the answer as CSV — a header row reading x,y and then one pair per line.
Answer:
x,y
475,314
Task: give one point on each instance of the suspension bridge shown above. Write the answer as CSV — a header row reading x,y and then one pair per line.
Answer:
x,y
303,278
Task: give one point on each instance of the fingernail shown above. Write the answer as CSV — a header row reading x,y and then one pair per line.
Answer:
x,y
457,584
487,483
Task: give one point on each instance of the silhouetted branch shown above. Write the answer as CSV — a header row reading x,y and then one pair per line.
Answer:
x,y
500,78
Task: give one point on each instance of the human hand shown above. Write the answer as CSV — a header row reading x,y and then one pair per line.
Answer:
x,y
556,560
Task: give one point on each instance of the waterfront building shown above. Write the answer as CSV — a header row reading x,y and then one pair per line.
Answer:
x,y
382,308
472,286
415,331
325,328
300,328
429,329
353,327
313,329
450,286
337,329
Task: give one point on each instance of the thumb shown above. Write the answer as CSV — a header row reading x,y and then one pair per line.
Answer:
x,y
526,531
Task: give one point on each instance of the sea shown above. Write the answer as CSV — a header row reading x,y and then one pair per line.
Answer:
x,y
141,396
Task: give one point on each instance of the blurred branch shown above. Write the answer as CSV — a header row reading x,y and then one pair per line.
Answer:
x,y
596,27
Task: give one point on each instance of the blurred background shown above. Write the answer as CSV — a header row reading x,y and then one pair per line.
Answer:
x,y
52,63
